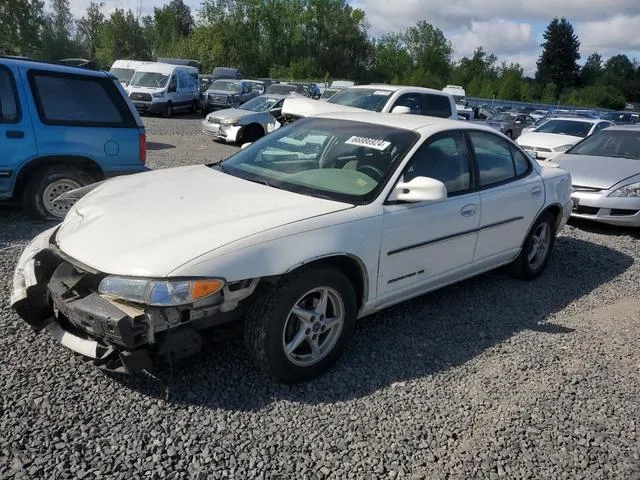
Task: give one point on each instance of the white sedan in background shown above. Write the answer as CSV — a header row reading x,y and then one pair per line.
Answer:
x,y
558,135
297,235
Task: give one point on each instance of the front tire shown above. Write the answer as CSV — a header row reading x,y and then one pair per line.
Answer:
x,y
168,113
251,133
536,250
297,329
46,185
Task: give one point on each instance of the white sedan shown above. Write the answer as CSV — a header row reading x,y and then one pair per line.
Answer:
x,y
298,235
558,135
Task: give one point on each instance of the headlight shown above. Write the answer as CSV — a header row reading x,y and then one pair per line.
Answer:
x,y
230,121
160,293
563,148
631,190
157,95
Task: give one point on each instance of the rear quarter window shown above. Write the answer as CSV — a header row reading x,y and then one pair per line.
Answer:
x,y
9,107
76,100
436,105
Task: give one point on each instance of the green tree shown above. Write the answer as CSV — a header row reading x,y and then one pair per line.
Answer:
x,y
122,37
391,57
21,25
89,28
591,72
560,54
430,50
56,36
511,83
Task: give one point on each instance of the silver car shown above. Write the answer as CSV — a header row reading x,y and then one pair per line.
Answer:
x,y
510,123
248,122
605,173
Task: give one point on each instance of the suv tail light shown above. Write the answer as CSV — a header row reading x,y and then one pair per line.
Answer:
x,y
142,142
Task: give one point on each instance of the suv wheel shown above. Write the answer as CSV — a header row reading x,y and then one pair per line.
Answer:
x,y
46,185
169,110
298,328
251,133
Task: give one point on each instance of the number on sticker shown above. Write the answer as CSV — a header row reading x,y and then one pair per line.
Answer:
x,y
368,142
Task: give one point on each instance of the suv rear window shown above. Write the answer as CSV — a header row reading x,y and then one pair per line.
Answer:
x,y
76,100
436,105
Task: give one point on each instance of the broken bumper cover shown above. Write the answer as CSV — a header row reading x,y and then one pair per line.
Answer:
x,y
51,293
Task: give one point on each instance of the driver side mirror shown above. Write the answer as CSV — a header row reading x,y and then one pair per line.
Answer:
x,y
419,189
401,109
173,87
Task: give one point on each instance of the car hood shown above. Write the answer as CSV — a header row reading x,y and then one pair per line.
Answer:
x,y
598,172
548,140
151,223
300,106
232,113
222,92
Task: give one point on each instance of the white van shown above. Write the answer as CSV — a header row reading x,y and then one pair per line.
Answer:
x,y
164,88
124,69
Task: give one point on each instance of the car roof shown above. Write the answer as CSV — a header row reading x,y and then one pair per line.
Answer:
x,y
418,123
395,88
277,96
30,63
577,118
629,128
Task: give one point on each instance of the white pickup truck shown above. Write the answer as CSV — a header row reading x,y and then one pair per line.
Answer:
x,y
375,98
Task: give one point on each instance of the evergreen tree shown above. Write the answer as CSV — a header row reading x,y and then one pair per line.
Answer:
x,y
592,69
89,28
558,63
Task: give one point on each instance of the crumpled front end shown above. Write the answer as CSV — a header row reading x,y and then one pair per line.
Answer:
x,y
54,292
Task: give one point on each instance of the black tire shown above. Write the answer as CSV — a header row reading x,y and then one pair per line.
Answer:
x,y
522,267
267,317
509,134
168,112
204,112
194,107
33,201
251,133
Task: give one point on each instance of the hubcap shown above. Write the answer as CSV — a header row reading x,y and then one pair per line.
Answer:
x,y
539,247
53,191
313,326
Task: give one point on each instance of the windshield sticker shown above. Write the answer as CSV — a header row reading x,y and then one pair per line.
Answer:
x,y
385,93
368,142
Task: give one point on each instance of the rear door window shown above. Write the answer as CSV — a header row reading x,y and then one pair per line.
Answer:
x,y
436,105
68,99
9,108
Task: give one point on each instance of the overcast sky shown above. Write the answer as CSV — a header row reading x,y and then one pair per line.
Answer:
x,y
512,29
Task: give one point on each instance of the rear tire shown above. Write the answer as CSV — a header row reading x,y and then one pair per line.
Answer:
x,y
272,328
536,250
48,183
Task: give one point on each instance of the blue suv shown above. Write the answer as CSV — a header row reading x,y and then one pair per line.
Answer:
x,y
61,128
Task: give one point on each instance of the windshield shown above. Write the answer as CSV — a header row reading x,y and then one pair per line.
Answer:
x,y
565,127
503,117
150,79
226,86
335,159
123,74
328,93
610,143
619,117
367,98
281,89
259,104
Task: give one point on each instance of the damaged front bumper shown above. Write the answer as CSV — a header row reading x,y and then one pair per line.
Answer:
x,y
56,293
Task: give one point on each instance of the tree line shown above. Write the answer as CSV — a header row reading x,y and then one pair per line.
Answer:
x,y
314,39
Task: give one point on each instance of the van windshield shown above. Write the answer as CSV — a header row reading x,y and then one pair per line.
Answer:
x,y
123,74
150,79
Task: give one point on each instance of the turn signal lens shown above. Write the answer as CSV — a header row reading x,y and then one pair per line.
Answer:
x,y
204,288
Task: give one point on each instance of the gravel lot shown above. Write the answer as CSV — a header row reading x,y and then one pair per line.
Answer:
x,y
492,378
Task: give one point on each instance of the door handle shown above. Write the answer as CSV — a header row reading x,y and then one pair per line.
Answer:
x,y
468,210
15,134
535,191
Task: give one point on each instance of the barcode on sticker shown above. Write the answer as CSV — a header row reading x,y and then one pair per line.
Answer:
x,y
368,142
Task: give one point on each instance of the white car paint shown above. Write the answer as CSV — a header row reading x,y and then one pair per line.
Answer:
x,y
198,222
546,146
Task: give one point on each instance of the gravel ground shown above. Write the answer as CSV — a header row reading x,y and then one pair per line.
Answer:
x,y
491,378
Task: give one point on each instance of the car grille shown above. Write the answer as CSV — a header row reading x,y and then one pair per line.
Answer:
x,y
143,97
580,188
217,98
535,149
